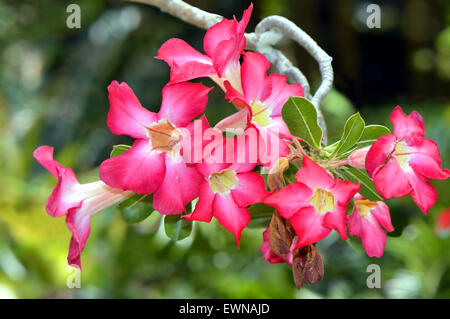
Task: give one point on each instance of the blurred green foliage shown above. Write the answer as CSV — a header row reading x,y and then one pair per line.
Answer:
x,y
53,91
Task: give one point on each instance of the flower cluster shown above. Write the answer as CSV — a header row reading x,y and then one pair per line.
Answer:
x,y
179,159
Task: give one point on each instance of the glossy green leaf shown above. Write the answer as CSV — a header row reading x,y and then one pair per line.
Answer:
x,y
136,208
119,149
300,116
353,130
177,228
361,177
372,132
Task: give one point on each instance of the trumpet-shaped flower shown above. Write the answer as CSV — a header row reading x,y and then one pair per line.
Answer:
x,y
315,204
223,44
261,102
155,164
366,221
401,163
78,202
226,191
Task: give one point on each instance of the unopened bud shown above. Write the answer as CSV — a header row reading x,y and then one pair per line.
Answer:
x,y
358,158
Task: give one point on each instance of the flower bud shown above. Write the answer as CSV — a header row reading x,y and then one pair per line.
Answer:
x,y
358,158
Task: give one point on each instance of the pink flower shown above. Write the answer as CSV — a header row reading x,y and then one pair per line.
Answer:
x,y
269,254
358,158
315,204
261,102
78,202
401,163
223,44
226,191
366,221
154,164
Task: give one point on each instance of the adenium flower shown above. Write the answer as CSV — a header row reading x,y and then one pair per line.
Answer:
x,y
78,202
401,163
315,204
154,164
223,44
366,221
358,158
225,192
261,102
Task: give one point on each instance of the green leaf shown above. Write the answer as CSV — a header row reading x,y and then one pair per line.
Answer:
x,y
353,130
119,149
177,228
136,208
261,214
300,116
372,132
368,189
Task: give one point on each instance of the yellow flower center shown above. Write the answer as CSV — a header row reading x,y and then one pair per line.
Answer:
x,y
401,154
363,206
261,115
163,136
223,181
322,201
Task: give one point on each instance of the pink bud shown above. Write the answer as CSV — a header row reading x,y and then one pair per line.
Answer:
x,y
358,158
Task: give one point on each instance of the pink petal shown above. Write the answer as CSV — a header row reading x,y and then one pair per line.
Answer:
x,y
192,70
255,82
382,215
308,226
126,115
236,121
390,180
344,191
372,236
409,128
278,125
44,155
426,160
290,199
80,227
271,146
139,169
230,216
422,192
336,220
182,102
379,152
179,187
250,189
236,97
280,92
313,175
204,208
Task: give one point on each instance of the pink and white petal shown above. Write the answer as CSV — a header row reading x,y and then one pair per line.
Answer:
x,y
280,93
176,51
290,199
139,169
236,121
382,215
179,187
191,70
249,190
203,211
230,215
308,226
422,192
391,181
344,191
224,30
126,115
336,220
255,82
278,125
236,97
64,196
379,152
183,102
409,128
44,155
314,176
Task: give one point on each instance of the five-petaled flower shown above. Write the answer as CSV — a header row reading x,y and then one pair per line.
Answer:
x,y
154,164
78,202
366,221
401,163
315,204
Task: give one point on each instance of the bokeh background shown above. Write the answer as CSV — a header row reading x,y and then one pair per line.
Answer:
x,y
53,91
